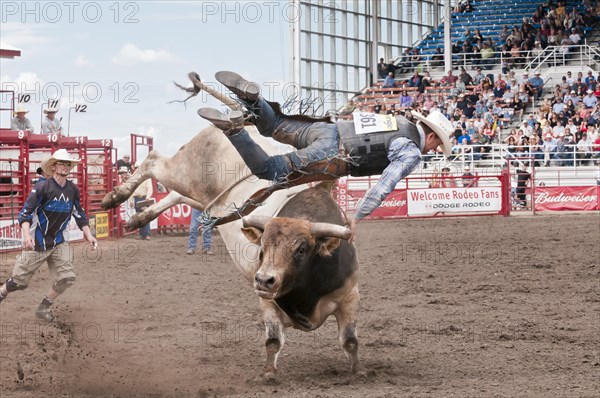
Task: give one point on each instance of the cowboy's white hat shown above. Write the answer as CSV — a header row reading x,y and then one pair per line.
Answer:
x,y
50,110
441,126
20,109
60,155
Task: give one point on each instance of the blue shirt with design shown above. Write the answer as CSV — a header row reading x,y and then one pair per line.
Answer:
x,y
48,209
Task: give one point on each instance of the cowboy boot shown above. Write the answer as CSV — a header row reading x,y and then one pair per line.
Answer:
x,y
245,90
230,123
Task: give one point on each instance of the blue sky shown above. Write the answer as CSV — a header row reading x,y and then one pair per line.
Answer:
x,y
132,52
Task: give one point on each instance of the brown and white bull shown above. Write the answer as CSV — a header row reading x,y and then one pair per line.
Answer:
x,y
307,271
205,171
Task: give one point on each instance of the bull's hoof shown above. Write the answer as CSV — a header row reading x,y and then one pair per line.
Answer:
x,y
114,198
359,373
267,378
108,201
135,222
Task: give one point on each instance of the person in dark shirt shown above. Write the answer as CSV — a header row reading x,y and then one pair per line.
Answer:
x,y
382,69
522,178
125,162
42,175
48,210
468,179
462,102
8,181
469,111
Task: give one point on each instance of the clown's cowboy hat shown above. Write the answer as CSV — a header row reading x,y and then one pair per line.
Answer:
x,y
60,155
440,125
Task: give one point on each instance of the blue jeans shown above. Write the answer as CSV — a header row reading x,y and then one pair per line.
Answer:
x,y
145,230
564,158
194,226
314,141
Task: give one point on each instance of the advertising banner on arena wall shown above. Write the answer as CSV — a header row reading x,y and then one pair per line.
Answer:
x,y
393,206
180,214
566,198
426,202
101,225
10,235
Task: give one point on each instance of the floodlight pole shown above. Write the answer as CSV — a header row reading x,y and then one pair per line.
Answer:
x,y
447,37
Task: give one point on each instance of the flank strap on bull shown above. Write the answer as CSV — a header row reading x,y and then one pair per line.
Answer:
x,y
322,170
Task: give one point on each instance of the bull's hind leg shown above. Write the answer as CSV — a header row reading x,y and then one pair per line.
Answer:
x,y
346,319
121,193
275,337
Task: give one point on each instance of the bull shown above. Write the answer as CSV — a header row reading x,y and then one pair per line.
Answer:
x,y
307,271
315,280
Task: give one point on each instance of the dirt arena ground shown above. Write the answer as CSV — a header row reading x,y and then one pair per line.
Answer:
x,y
473,307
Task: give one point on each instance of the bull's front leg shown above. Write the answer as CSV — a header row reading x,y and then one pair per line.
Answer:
x,y
122,192
275,336
150,213
346,316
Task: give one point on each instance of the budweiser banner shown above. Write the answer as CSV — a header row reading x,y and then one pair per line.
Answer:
x,y
566,198
395,205
392,206
425,202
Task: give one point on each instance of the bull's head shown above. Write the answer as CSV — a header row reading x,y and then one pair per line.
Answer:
x,y
288,247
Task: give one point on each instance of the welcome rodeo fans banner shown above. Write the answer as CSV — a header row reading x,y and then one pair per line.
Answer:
x,y
566,198
424,202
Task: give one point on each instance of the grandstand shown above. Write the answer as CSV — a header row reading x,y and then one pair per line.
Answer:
x,y
495,21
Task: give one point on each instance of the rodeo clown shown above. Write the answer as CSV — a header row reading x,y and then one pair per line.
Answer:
x,y
377,144
47,212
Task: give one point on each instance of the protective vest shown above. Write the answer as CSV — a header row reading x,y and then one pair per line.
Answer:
x,y
370,151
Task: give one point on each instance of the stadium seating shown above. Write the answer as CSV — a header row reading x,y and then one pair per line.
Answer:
x,y
489,17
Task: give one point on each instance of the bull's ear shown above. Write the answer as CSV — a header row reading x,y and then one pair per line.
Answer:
x,y
253,234
327,245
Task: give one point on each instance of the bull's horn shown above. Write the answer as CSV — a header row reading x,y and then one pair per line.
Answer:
x,y
255,222
322,229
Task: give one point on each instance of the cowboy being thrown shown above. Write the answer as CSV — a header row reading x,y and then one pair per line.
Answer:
x,y
393,148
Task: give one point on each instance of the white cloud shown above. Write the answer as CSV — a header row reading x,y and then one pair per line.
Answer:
x,y
130,54
82,61
149,131
25,36
175,17
24,82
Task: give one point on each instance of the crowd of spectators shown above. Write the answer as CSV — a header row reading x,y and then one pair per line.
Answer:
x,y
563,126
550,25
